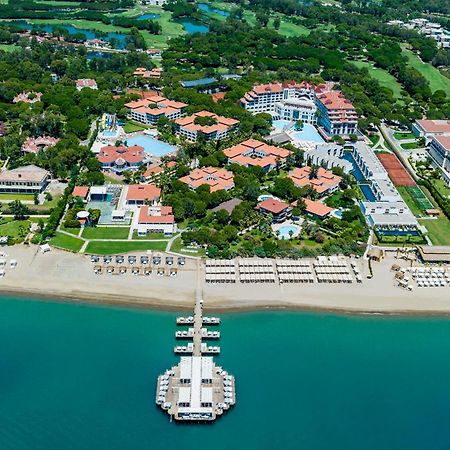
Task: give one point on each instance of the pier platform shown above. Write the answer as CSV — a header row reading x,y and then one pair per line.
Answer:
x,y
196,389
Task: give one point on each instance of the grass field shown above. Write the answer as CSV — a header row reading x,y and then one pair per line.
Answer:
x,y
150,236
65,242
21,197
382,76
403,136
9,47
435,78
131,127
179,247
73,231
112,248
442,187
105,233
409,145
422,201
14,228
438,230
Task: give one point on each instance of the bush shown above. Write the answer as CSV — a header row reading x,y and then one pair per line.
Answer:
x,y
72,223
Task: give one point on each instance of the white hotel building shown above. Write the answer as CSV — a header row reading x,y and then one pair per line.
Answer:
x,y
288,101
389,209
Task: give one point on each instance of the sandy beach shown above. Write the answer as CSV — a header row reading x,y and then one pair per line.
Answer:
x,y
65,276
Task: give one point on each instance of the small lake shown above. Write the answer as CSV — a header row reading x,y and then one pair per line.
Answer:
x,y
148,16
90,34
194,27
207,8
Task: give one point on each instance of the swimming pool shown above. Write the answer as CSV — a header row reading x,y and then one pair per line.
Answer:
x,y
307,133
284,231
109,133
151,145
282,124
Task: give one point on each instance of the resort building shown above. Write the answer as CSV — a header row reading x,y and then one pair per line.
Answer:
x,y
256,153
97,44
142,72
148,111
154,172
34,145
323,181
315,208
89,83
337,116
81,192
122,158
287,101
374,172
28,97
439,150
389,214
280,211
154,52
24,180
430,129
142,194
217,179
207,124
155,219
328,155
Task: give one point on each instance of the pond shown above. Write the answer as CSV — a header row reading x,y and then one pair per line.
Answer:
x,y
89,34
148,16
194,27
205,7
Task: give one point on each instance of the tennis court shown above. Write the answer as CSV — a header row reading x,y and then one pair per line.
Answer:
x,y
397,173
420,198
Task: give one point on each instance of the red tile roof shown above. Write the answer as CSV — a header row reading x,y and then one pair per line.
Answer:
x,y
444,141
110,153
142,192
272,205
317,208
435,126
217,179
80,191
156,214
324,181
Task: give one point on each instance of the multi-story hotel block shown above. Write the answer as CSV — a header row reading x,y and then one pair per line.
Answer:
x,y
148,111
288,101
256,153
191,127
336,115
440,152
324,182
428,129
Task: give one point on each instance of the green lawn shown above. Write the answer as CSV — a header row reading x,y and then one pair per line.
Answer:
x,y
150,236
9,47
438,230
409,145
442,187
131,127
382,76
105,233
14,228
179,247
435,78
65,242
403,136
21,197
111,248
73,231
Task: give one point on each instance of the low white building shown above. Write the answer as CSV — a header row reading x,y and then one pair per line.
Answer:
x,y
328,156
389,214
155,219
24,180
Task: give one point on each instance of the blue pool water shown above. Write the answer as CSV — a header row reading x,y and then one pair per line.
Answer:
x,y
152,146
208,8
368,193
194,27
308,133
148,16
284,231
356,172
282,124
89,34
109,133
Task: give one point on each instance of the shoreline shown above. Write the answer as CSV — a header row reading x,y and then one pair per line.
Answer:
x,y
65,277
155,304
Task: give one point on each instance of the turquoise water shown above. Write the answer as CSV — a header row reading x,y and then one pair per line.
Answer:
x,y
307,133
76,377
148,16
194,27
208,8
151,145
89,34
284,231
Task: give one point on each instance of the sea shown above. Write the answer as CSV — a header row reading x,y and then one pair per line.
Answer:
x,y
82,377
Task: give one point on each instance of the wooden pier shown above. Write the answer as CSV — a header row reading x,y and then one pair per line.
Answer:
x,y
196,389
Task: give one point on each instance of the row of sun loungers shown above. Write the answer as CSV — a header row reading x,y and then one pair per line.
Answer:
x,y
334,278
220,278
257,278
220,270
135,270
296,278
